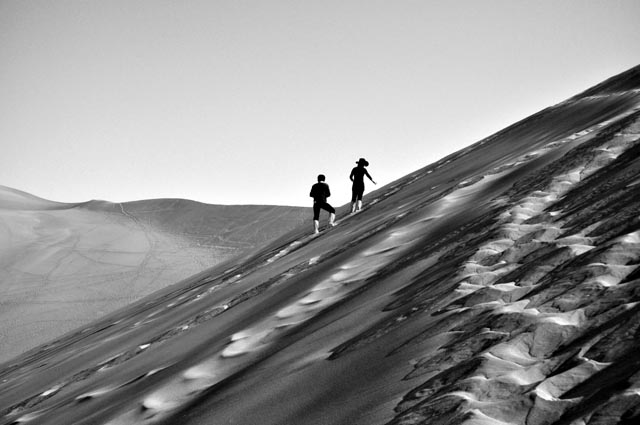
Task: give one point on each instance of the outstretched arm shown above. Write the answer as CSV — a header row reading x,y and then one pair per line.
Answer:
x,y
370,178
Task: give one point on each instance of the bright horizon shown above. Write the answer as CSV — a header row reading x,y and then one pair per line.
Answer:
x,y
230,102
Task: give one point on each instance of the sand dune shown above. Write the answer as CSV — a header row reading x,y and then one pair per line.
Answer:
x,y
65,265
496,286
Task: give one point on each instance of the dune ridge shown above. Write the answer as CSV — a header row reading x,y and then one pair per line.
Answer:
x,y
498,285
63,265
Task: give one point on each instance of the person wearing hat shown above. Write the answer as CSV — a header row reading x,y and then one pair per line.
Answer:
x,y
357,190
320,192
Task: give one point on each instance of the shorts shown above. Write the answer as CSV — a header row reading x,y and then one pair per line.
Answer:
x,y
321,205
357,190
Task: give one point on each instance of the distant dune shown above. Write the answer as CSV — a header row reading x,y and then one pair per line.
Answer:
x,y
64,265
497,286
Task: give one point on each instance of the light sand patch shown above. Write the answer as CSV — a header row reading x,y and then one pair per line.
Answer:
x,y
524,371
517,307
578,249
163,401
493,247
632,392
466,288
571,318
477,417
488,277
315,296
577,135
608,275
516,351
515,231
293,245
98,392
31,416
501,292
520,250
619,254
472,267
631,238
552,388
496,295
546,411
634,183
247,341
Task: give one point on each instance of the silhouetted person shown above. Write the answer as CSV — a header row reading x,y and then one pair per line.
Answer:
x,y
357,190
320,192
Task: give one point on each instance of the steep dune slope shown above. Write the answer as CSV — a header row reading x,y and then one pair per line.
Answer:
x,y
496,286
64,265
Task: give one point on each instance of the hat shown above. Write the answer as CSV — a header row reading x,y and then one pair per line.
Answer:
x,y
363,162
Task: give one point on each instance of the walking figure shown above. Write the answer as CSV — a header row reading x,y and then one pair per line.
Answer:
x,y
357,190
320,192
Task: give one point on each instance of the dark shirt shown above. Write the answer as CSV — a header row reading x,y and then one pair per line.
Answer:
x,y
357,175
320,192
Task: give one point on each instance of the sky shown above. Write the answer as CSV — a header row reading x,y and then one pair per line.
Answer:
x,y
247,101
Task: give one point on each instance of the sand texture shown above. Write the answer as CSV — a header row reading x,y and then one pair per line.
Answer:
x,y
499,285
65,265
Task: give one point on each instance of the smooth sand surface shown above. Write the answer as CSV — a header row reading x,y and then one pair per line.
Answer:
x,y
65,265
